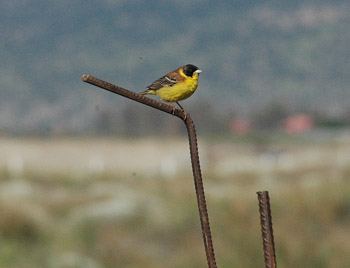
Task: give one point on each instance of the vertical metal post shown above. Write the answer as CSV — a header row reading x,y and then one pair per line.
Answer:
x,y
198,182
266,229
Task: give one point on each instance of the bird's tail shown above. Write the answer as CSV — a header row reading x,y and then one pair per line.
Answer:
x,y
143,92
146,92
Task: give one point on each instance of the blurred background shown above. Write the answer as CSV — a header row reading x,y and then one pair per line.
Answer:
x,y
91,179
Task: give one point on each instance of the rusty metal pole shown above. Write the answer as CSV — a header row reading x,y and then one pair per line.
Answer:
x,y
197,175
266,229
198,182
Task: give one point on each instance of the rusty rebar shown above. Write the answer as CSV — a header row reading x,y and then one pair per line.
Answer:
x,y
198,182
197,175
266,229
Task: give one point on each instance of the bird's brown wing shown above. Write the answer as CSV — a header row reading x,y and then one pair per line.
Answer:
x,y
168,80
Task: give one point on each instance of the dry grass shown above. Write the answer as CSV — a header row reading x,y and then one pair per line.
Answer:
x,y
59,212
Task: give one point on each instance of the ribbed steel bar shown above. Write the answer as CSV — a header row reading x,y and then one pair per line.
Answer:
x,y
266,229
197,175
198,182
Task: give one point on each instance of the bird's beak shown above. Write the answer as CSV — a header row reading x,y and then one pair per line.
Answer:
x,y
198,71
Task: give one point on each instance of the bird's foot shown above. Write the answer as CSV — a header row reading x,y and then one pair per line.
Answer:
x,y
172,109
185,113
183,110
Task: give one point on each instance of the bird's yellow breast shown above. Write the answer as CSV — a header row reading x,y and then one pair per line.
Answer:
x,y
180,91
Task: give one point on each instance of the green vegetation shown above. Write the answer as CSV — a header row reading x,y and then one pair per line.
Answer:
x,y
105,219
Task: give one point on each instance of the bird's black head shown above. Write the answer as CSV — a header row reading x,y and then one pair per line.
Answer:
x,y
189,69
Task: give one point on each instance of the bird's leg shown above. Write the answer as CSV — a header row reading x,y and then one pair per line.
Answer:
x,y
180,106
184,111
172,108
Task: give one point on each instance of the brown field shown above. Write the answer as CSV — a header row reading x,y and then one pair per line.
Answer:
x,y
89,202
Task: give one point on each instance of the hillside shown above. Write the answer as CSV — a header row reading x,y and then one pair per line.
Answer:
x,y
252,55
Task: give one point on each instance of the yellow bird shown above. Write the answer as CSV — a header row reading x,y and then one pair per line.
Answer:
x,y
175,86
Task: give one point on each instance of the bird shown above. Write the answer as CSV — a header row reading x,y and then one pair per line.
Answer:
x,y
175,86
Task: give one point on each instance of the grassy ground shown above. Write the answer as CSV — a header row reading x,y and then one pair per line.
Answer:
x,y
86,211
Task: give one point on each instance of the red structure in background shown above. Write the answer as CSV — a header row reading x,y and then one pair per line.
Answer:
x,y
298,124
240,126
